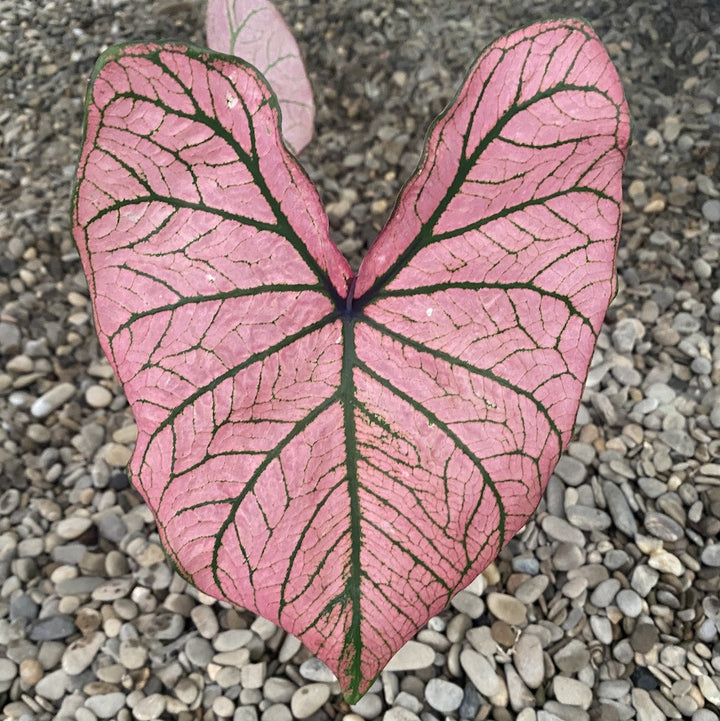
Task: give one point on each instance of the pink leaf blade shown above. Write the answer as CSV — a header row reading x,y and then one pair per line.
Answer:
x,y
255,31
342,455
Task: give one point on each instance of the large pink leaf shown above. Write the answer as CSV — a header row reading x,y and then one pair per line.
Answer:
x,y
255,31
339,454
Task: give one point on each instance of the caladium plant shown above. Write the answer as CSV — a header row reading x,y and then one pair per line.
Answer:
x,y
255,31
342,453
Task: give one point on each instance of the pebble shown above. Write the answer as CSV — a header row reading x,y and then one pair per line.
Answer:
x,y
412,656
443,696
106,705
81,653
711,210
52,628
572,692
644,637
52,399
308,699
98,396
480,672
71,528
507,608
710,555
149,708
528,659
30,672
559,529
629,603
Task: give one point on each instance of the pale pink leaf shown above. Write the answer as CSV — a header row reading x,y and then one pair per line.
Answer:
x,y
255,31
342,454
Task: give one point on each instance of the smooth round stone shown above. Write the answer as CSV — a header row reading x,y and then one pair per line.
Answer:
x,y
410,657
278,689
573,657
507,608
529,591
106,705
604,593
710,555
223,706
399,713
572,692
113,589
711,210
662,526
644,637
443,696
480,672
31,671
469,604
528,660
52,628
150,708
368,707
199,651
665,562
571,470
53,686
71,528
559,529
602,628
588,519
52,400
9,501
98,396
132,654
308,699
629,603
80,654
8,671
205,621
233,639
117,455
276,712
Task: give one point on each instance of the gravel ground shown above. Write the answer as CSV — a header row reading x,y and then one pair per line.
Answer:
x,y
604,607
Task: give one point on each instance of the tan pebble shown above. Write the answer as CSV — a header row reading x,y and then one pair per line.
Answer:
x,y
30,672
126,434
656,204
507,608
117,455
98,397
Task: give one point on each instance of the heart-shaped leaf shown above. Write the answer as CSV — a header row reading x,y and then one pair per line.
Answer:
x,y
342,454
255,31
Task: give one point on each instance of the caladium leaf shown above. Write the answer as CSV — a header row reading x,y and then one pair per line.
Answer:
x,y
255,31
342,453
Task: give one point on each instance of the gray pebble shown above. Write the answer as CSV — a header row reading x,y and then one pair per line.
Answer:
x,y
106,705
528,660
559,529
629,602
315,670
619,509
481,672
276,712
710,555
23,606
643,579
150,708
588,519
53,685
604,593
309,699
572,657
9,501
662,526
369,706
199,651
571,470
711,210
443,696
52,628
